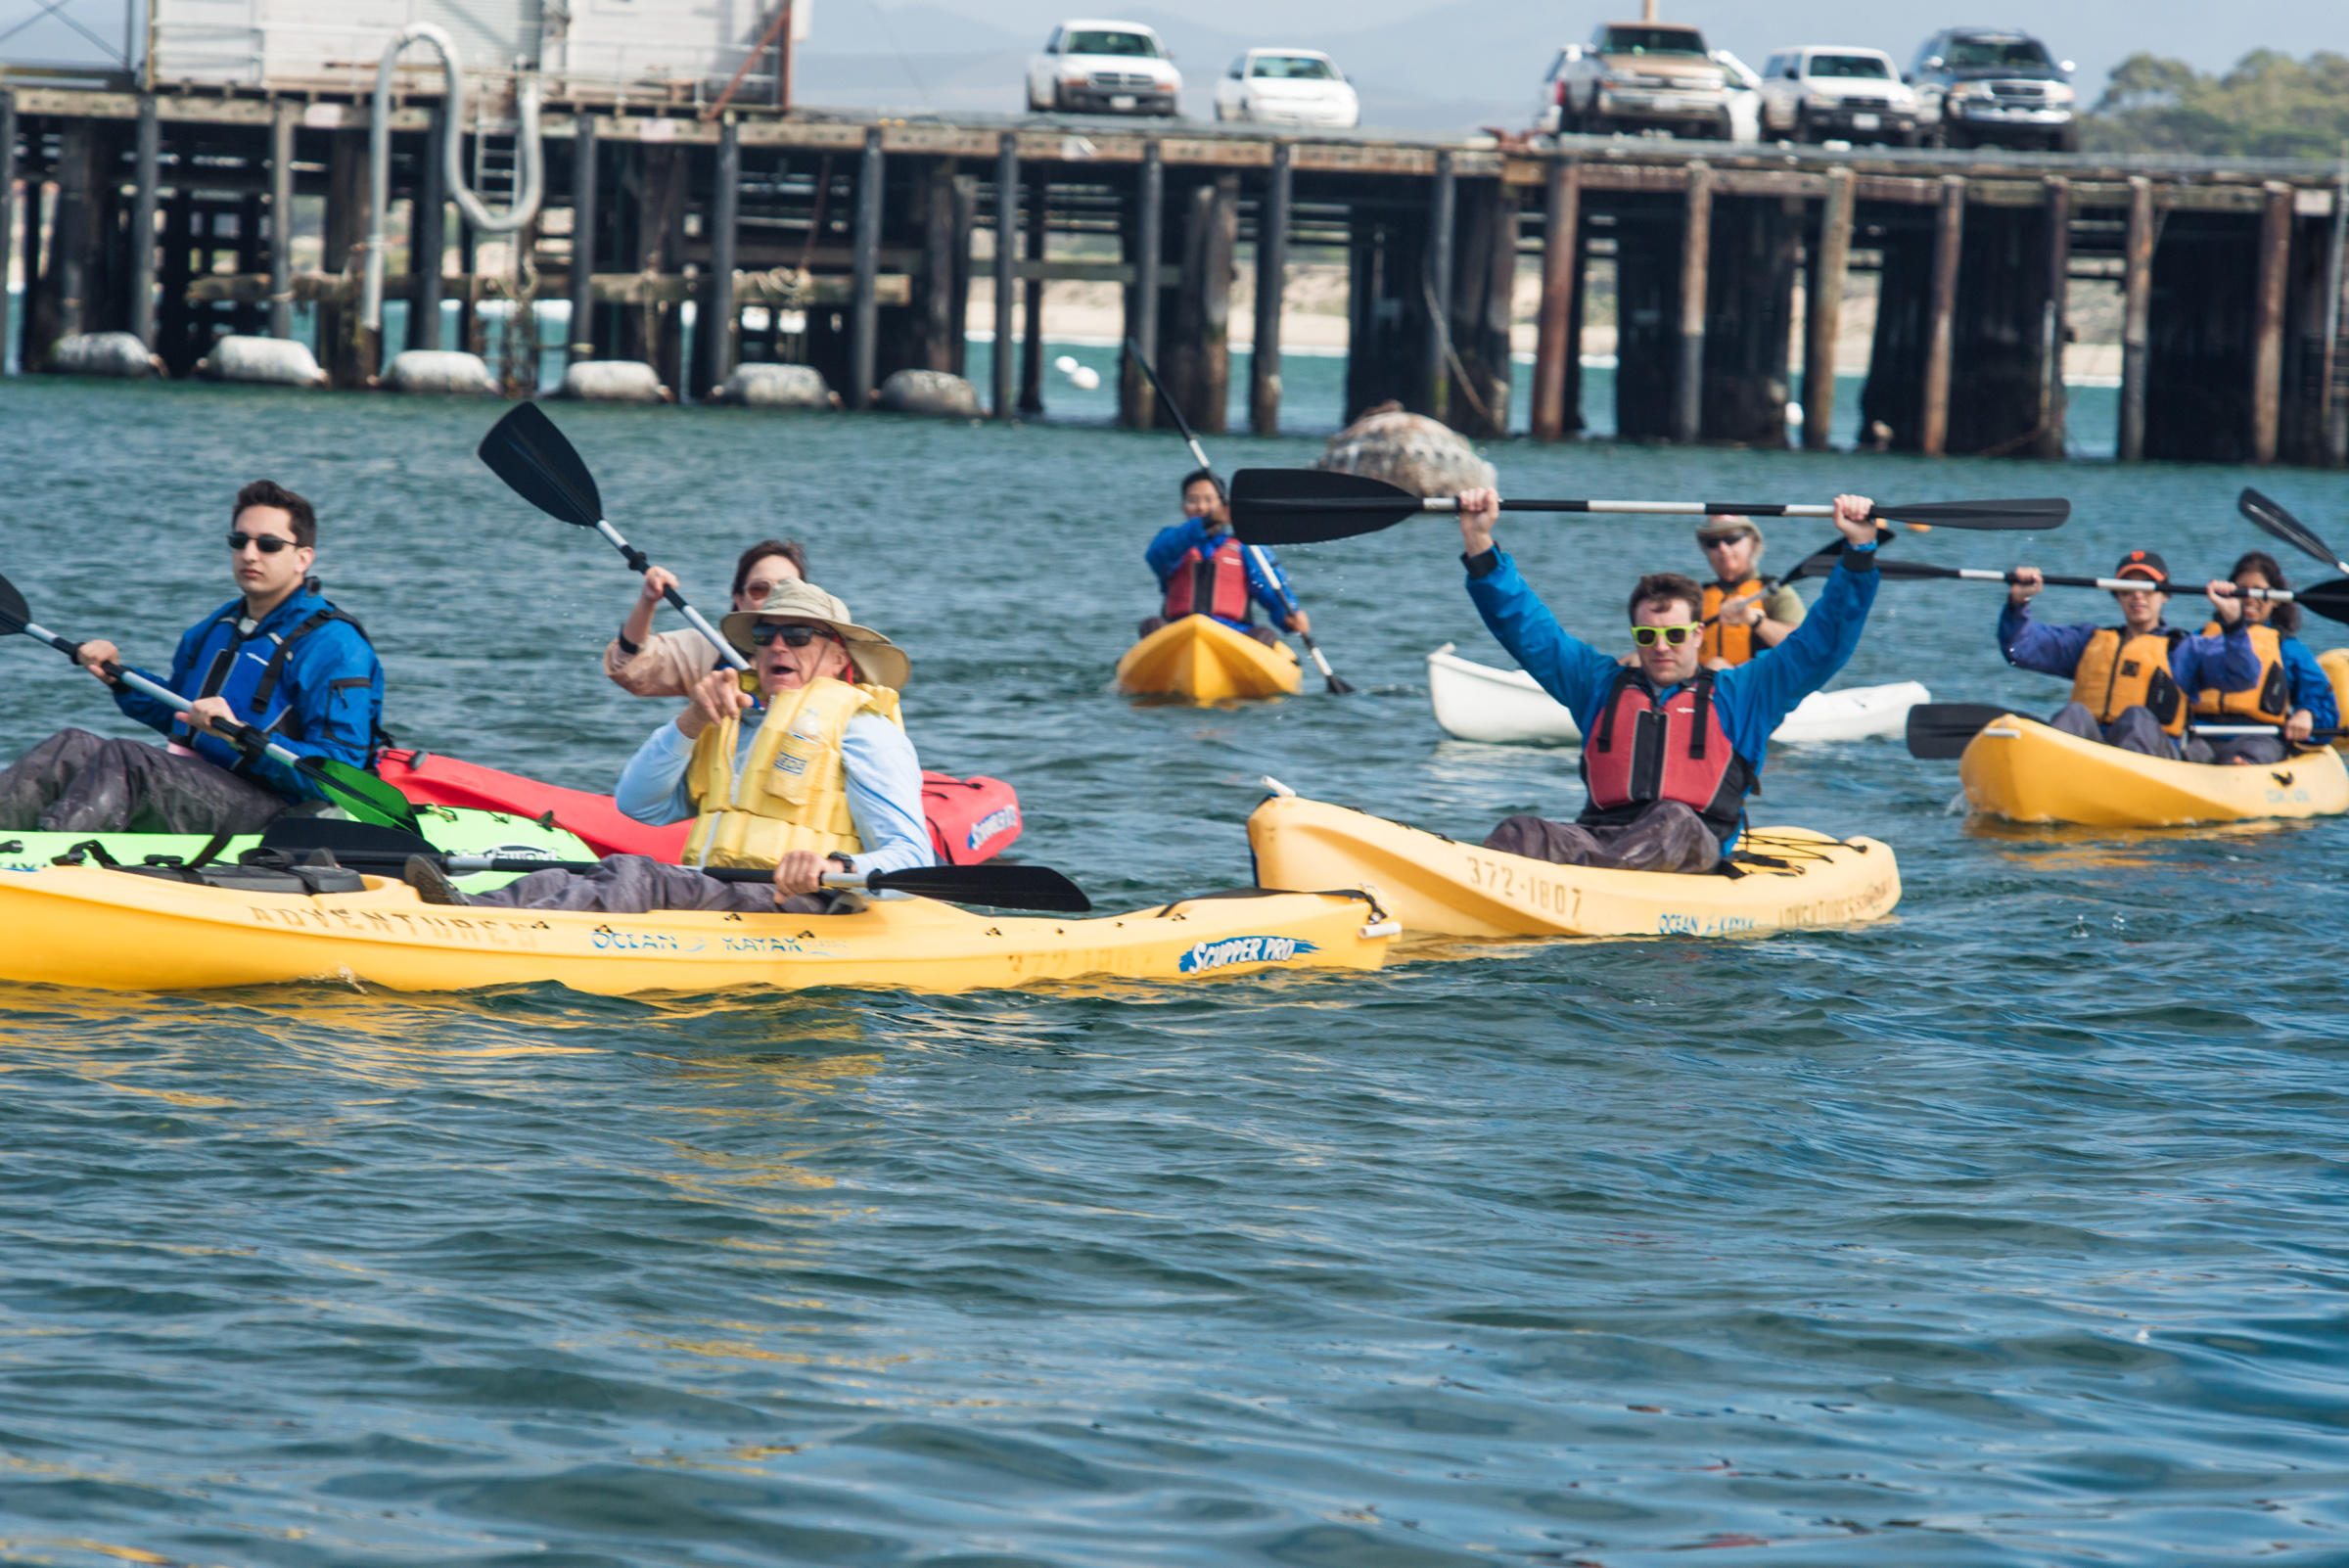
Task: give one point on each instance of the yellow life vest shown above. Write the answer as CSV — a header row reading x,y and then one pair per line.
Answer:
x,y
2118,671
2269,701
793,790
1735,644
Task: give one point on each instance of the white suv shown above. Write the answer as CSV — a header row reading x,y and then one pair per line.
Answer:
x,y
1103,68
1819,93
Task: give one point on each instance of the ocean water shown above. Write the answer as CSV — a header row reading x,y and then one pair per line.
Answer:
x,y
2005,1231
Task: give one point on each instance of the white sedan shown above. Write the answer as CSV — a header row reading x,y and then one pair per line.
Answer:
x,y
1288,87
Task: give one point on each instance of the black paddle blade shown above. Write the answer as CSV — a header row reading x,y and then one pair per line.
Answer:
x,y
1307,505
2270,517
14,611
2044,512
1940,731
353,843
540,465
2327,599
1339,687
999,886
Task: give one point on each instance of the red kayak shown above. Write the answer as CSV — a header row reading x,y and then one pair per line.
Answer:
x,y
970,820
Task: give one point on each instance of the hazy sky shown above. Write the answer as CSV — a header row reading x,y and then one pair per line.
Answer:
x,y
1469,62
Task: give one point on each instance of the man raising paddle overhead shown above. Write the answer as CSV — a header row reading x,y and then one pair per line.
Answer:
x,y
280,657
1669,748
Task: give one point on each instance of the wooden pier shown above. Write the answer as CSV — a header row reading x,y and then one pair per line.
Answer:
x,y
860,236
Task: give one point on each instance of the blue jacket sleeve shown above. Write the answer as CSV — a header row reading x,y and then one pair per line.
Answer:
x,y
146,709
2225,663
335,688
2312,688
1172,544
1567,667
1267,584
2050,650
651,787
1755,697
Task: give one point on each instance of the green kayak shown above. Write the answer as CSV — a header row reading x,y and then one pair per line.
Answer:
x,y
453,830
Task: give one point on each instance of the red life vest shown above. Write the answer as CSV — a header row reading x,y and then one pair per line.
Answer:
x,y
1640,752
1211,584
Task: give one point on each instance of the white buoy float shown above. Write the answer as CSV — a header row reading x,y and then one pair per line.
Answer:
x,y
612,381
928,392
119,354
769,385
261,362
438,372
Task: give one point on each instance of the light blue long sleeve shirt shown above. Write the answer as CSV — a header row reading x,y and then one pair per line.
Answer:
x,y
884,787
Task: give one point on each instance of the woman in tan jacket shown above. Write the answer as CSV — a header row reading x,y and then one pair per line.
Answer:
x,y
671,663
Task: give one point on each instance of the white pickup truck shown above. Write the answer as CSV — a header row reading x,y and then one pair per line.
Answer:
x,y
1103,68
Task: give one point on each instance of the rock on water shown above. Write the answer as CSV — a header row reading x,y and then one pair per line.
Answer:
x,y
612,381
262,362
928,392
440,372
103,353
1410,450
765,386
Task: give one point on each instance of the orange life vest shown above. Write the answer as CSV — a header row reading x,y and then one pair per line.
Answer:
x,y
2269,701
1735,644
2118,671
1215,584
1641,752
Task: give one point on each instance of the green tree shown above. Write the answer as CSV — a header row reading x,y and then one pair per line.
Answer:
x,y
2269,106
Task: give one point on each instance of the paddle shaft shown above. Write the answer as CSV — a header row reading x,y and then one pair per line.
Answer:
x,y
641,563
1451,503
2108,584
1256,552
247,736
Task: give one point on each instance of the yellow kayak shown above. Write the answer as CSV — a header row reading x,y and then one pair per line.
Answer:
x,y
113,931
1787,878
1200,658
2020,769
2334,661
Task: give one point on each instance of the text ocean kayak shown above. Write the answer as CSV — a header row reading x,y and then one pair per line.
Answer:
x,y
2020,769
1200,658
970,819
1786,878
1509,707
452,830
112,931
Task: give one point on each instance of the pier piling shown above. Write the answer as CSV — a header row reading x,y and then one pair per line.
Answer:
x,y
2267,330
1696,252
584,231
146,171
1007,249
2137,298
1272,283
8,211
864,324
1823,273
1559,344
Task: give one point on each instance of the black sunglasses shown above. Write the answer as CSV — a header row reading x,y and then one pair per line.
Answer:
x,y
765,633
266,543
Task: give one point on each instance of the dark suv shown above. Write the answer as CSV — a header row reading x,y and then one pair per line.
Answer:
x,y
1994,87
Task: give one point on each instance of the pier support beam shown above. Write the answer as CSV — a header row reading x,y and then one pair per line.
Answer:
x,y
66,286
1007,252
1272,283
281,218
1558,347
427,235
1196,361
1949,238
1436,369
1823,309
8,212
1749,311
966,224
2054,317
2335,406
2266,320
1032,341
2137,296
939,267
146,171
1477,371
864,318
1697,251
339,350
584,225
714,333
1137,403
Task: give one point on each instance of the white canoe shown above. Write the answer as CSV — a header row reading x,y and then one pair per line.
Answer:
x,y
1509,707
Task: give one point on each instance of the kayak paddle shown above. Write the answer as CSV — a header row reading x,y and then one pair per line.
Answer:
x,y
1337,687
2327,599
996,884
2272,518
356,790
1941,731
540,465
1311,505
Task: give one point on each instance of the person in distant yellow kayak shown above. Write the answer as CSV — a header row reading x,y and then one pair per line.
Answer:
x,y
824,779
669,664
2131,683
1203,570
1669,748
2292,692
1743,611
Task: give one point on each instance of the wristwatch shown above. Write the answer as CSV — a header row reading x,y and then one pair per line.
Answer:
x,y
845,863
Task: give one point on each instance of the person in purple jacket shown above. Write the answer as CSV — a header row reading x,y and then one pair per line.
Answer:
x,y
2131,684
1669,748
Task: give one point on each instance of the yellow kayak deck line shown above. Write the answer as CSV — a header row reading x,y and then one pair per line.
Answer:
x,y
2024,771
113,931
1200,658
1789,878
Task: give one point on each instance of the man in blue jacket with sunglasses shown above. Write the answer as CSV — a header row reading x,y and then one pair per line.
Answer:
x,y
1669,748
278,657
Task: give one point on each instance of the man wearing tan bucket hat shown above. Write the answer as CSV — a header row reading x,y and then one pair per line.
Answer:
x,y
825,779
1744,612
